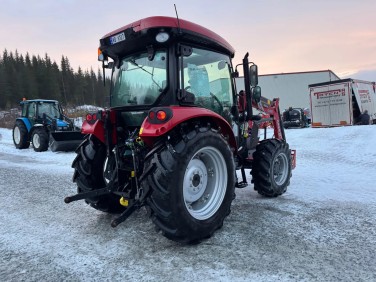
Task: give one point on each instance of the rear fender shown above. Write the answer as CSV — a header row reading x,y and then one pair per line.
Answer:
x,y
97,127
26,123
151,130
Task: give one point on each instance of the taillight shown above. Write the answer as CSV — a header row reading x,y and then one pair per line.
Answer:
x,y
92,118
159,115
151,115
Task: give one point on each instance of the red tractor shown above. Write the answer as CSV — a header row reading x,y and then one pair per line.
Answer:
x,y
177,131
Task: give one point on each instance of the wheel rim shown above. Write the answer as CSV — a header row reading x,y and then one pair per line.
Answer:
x,y
205,183
17,135
280,169
36,140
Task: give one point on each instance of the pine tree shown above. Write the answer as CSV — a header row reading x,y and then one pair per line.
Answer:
x,y
5,91
32,77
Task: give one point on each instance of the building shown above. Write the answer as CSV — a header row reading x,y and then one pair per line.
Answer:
x,y
291,88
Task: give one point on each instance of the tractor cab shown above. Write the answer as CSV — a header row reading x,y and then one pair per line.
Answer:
x,y
44,112
142,81
159,62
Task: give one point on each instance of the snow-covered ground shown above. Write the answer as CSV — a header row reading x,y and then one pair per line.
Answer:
x,y
321,229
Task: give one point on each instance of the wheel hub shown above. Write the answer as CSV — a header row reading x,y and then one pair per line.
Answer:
x,y
195,180
36,141
205,183
280,170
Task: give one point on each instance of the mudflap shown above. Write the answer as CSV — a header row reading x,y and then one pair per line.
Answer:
x,y
293,159
65,140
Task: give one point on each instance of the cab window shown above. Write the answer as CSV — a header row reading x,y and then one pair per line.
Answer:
x,y
31,110
137,80
207,77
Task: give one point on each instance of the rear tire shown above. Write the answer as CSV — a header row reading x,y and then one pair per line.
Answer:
x,y
40,139
192,186
271,169
90,174
20,135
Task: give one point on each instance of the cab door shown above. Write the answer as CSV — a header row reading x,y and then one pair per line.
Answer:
x,y
31,113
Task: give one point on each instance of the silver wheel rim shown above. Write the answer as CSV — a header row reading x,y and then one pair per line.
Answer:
x,y
205,183
36,140
280,169
17,135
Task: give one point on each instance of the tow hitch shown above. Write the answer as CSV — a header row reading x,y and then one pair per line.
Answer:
x,y
137,204
134,205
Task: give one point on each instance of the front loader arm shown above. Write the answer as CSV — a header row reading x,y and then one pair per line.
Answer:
x,y
271,108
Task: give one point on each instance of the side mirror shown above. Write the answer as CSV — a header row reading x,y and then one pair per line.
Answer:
x,y
253,75
256,95
101,57
109,65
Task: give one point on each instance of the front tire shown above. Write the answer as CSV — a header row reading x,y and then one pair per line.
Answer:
x,y
40,139
92,172
271,169
192,186
20,135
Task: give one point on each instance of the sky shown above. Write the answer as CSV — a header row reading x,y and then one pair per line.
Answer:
x,y
281,36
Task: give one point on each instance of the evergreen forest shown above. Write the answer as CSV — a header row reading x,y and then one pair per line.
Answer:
x,y
35,77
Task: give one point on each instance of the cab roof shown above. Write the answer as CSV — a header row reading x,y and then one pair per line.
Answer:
x,y
38,100
178,27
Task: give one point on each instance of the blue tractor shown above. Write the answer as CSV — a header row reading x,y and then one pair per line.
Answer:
x,y
43,123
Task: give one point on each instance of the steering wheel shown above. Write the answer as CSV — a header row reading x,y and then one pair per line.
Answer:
x,y
213,96
218,101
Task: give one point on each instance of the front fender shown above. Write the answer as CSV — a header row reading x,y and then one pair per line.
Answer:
x,y
150,131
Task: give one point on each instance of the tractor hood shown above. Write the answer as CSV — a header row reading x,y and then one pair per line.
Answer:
x,y
61,123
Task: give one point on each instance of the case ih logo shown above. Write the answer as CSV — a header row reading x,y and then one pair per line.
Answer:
x,y
330,93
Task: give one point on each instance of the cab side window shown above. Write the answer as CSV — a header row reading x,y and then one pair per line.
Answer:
x,y
207,76
31,110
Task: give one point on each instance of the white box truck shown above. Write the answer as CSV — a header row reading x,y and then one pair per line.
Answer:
x,y
338,103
